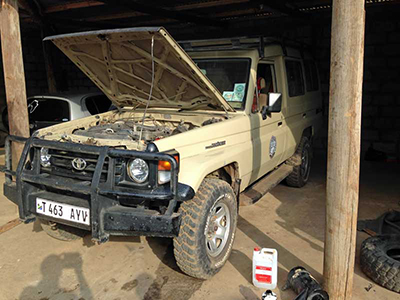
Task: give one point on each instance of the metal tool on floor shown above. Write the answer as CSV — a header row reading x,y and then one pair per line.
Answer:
x,y
269,295
305,285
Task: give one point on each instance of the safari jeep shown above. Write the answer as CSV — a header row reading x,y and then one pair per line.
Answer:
x,y
188,135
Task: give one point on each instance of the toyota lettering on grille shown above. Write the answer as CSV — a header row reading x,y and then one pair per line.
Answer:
x,y
79,164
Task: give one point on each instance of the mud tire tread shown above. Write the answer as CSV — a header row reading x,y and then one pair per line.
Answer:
x,y
377,265
190,255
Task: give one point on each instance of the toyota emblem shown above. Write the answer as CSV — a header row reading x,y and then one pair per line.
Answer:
x,y
79,164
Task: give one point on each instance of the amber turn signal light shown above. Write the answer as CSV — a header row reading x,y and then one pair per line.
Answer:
x,y
166,165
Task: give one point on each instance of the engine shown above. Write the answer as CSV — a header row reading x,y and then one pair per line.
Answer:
x,y
134,130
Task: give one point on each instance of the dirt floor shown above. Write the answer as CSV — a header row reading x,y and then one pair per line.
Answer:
x,y
35,266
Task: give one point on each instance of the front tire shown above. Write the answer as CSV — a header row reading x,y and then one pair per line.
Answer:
x,y
207,230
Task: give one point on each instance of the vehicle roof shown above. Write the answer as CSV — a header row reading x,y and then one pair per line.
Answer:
x,y
271,46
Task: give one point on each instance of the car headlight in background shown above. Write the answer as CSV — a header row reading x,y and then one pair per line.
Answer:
x,y
138,170
164,170
45,157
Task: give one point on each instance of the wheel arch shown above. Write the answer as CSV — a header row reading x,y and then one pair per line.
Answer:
x,y
309,132
230,174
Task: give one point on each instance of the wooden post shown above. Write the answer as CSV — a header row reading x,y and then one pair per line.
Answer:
x,y
347,55
45,29
14,76
48,61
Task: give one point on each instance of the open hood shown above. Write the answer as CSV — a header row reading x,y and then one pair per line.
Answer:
x,y
119,62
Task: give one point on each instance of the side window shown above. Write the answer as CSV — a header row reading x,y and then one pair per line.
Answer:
x,y
265,84
266,72
97,104
295,78
311,72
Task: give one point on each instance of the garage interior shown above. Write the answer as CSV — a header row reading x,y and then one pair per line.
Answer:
x,y
34,266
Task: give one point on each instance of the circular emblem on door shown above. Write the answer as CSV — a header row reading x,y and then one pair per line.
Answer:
x,y
272,147
79,163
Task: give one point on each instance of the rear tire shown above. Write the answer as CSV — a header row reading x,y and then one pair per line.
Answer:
x,y
301,162
207,230
62,232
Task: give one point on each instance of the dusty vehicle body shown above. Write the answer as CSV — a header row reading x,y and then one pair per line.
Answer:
x,y
198,151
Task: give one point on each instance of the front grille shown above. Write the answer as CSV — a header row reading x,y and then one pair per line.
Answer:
x,y
61,165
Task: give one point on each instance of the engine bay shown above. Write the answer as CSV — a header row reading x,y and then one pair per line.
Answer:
x,y
131,129
127,129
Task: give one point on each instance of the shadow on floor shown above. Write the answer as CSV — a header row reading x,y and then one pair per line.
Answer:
x,y
49,286
260,238
303,210
170,282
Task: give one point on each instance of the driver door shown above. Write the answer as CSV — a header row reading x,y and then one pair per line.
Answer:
x,y
268,136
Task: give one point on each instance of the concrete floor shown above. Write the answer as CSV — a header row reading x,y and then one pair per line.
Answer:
x,y
35,266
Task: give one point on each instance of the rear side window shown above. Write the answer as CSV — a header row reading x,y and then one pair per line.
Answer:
x,y
97,104
295,78
310,69
48,110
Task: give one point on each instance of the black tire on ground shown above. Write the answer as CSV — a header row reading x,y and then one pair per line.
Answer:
x,y
380,260
207,230
62,232
301,162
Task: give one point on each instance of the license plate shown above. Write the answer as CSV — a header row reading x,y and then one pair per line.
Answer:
x,y
63,211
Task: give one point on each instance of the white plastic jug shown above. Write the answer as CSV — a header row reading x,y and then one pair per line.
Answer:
x,y
265,268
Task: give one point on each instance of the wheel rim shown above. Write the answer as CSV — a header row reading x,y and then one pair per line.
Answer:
x,y
218,228
305,164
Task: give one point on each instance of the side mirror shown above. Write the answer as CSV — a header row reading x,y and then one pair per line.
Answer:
x,y
274,104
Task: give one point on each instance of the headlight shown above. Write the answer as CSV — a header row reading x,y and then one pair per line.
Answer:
x,y
164,177
138,170
45,157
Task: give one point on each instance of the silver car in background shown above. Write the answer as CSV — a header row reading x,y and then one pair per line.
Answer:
x,y
47,110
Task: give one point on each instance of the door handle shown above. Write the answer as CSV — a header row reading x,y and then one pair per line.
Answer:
x,y
280,124
304,115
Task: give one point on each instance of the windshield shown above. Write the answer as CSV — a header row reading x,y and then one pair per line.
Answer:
x,y
230,76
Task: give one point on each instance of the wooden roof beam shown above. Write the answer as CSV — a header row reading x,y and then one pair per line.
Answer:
x,y
165,13
71,5
282,7
207,4
180,7
32,10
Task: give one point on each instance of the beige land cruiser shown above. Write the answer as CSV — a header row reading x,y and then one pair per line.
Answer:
x,y
190,132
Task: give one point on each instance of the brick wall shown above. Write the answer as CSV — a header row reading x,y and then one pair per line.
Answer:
x,y
381,88
381,95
